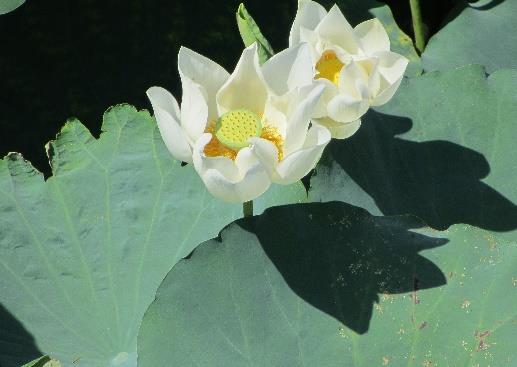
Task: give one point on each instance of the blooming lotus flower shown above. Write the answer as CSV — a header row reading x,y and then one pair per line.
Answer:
x,y
245,130
355,64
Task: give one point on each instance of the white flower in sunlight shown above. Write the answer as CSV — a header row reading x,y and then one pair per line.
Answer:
x,y
245,130
355,64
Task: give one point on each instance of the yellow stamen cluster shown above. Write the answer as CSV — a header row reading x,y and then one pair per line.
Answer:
x,y
329,67
216,148
273,135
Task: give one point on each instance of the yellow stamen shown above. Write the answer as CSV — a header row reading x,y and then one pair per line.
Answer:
x,y
273,135
216,149
329,67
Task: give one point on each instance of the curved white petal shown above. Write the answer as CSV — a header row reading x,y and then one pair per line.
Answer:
x,y
298,164
392,67
385,95
374,80
298,119
308,16
367,70
354,80
166,113
162,98
335,29
234,182
275,113
340,130
292,68
223,164
344,108
353,99
266,152
373,36
204,72
246,87
312,39
194,110
330,91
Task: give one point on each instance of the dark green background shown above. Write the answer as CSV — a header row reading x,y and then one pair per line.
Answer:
x,y
63,58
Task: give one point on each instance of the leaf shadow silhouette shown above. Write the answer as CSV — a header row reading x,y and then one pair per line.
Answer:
x,y
16,343
338,257
437,181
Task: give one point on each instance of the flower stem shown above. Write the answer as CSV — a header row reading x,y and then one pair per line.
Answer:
x,y
247,208
418,25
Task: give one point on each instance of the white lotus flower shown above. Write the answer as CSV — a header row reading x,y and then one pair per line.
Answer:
x,y
245,130
356,64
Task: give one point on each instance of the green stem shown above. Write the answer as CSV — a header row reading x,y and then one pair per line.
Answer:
x,y
247,209
418,25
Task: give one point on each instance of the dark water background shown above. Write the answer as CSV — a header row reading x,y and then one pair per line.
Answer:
x,y
75,58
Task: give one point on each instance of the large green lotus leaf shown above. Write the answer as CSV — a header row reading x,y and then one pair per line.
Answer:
x,y
441,150
327,284
479,33
82,253
7,6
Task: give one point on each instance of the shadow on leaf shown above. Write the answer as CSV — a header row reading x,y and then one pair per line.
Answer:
x,y
438,181
339,258
16,343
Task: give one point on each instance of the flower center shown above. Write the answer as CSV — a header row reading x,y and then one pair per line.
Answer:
x,y
329,67
234,128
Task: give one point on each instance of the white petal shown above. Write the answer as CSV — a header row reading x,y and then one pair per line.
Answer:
x,y
298,120
266,152
205,72
373,36
275,113
331,90
354,80
340,130
312,39
335,29
369,70
289,69
166,113
392,67
353,99
374,80
298,164
384,96
352,102
344,108
223,164
246,87
308,16
162,98
194,110
234,182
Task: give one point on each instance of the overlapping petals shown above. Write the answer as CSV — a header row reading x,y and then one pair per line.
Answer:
x,y
281,93
355,64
